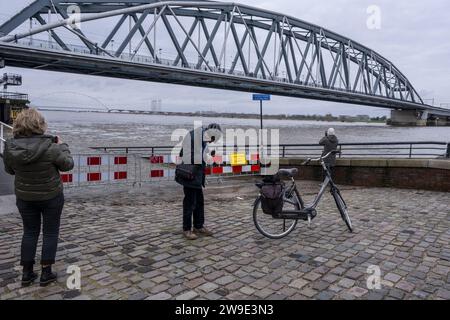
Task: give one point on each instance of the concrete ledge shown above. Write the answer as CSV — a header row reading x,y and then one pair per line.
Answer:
x,y
8,205
379,163
439,164
426,174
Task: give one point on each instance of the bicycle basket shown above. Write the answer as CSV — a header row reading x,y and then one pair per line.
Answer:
x,y
272,198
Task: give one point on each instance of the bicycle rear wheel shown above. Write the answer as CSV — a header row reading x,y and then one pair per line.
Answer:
x,y
270,227
342,207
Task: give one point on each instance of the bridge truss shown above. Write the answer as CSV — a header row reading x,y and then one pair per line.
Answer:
x,y
203,43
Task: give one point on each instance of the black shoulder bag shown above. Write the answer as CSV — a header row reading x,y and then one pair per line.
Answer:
x,y
185,172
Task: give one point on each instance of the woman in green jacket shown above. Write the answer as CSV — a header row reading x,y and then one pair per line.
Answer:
x,y
36,159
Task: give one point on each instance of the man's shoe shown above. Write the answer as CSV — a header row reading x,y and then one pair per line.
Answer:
x,y
47,276
189,235
28,278
203,232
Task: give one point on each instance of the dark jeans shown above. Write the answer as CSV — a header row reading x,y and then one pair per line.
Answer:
x,y
31,212
193,205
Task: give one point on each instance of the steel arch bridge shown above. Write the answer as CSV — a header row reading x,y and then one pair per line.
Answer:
x,y
205,43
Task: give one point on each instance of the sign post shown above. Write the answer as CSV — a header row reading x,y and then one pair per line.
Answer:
x,y
261,98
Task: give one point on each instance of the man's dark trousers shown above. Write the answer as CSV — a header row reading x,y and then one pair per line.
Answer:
x,y
193,206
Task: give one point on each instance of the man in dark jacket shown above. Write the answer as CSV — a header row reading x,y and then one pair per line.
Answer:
x,y
193,203
330,143
35,159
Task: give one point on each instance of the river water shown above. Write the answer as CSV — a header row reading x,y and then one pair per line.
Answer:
x,y
82,130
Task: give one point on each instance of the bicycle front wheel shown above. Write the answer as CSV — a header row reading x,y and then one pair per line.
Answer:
x,y
342,207
270,227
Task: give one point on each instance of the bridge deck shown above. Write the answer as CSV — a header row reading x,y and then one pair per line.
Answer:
x,y
53,60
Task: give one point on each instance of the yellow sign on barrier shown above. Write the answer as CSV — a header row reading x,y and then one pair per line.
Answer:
x,y
14,113
238,159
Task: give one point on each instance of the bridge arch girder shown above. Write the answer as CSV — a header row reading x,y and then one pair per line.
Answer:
x,y
285,49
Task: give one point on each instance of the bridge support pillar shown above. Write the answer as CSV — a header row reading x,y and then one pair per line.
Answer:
x,y
439,122
407,118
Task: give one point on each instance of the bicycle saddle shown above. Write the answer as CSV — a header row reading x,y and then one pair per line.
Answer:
x,y
289,173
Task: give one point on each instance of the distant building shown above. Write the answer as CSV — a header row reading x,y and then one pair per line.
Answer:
x,y
11,103
363,118
156,105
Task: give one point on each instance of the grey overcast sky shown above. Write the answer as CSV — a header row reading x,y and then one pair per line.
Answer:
x,y
414,35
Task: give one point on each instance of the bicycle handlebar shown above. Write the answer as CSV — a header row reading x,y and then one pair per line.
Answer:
x,y
320,158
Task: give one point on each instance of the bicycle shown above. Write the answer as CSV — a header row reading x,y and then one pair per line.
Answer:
x,y
294,208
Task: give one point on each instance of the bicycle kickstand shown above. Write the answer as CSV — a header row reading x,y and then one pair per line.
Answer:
x,y
309,221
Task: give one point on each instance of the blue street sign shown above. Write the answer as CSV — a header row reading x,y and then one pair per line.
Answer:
x,y
261,97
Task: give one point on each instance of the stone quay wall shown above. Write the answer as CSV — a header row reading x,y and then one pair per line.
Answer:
x,y
423,174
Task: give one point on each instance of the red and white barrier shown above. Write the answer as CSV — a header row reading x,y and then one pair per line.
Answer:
x,y
109,168
97,168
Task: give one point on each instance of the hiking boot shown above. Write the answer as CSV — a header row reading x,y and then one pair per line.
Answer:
x,y
28,276
47,276
189,235
203,232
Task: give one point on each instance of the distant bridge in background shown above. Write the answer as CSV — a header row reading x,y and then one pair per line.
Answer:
x,y
216,44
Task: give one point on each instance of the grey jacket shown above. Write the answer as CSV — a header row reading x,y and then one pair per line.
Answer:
x,y
36,162
329,143
188,153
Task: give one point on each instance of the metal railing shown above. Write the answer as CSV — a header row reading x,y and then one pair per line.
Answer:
x,y
3,128
402,150
13,96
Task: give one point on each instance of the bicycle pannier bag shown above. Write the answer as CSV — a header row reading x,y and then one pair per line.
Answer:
x,y
272,198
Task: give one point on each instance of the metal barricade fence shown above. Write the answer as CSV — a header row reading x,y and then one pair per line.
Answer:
x,y
5,131
137,169
92,169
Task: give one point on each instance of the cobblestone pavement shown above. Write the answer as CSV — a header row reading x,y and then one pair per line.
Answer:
x,y
129,246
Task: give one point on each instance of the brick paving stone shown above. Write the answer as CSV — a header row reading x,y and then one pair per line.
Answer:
x,y
187,295
174,290
264,293
405,286
137,296
396,294
225,280
298,283
392,277
443,294
357,291
159,296
208,287
136,250
325,295
308,292
320,285
311,276
346,283
247,290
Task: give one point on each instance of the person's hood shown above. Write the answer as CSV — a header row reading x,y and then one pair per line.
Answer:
x,y
26,150
333,139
